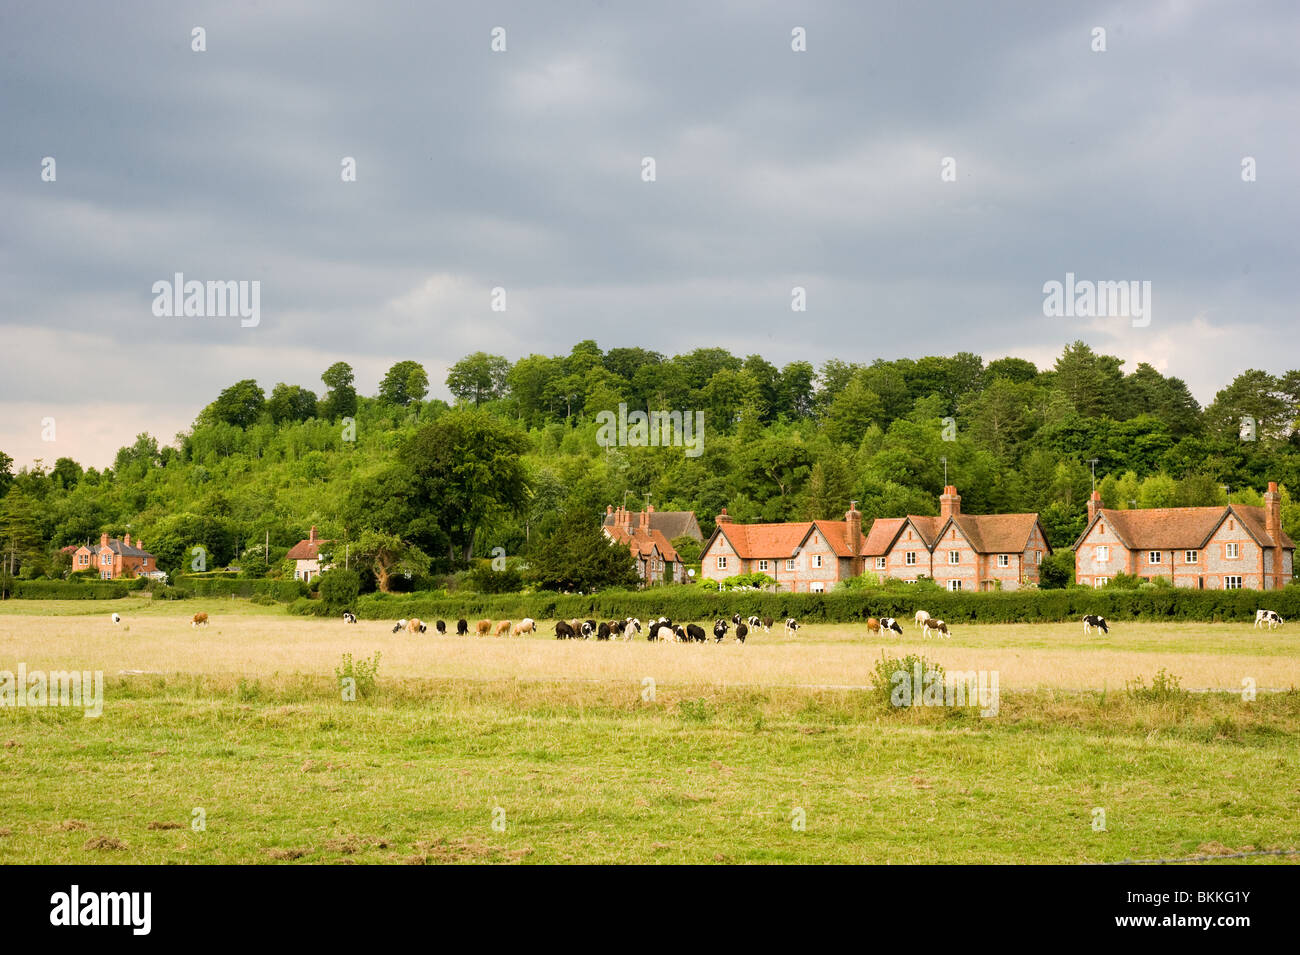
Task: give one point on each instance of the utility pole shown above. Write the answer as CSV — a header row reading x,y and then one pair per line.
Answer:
x,y
266,550
1093,462
944,459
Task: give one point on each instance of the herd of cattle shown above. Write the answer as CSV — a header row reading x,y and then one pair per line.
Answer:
x,y
665,631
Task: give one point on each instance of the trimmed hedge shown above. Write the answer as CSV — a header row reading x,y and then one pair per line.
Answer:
x,y
1023,606
75,590
285,591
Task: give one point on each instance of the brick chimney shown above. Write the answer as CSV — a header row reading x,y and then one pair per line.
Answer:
x,y
127,540
1094,505
103,540
313,533
949,502
644,523
853,520
722,518
1273,527
139,543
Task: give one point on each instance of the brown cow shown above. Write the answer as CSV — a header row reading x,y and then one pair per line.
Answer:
x,y
483,627
416,625
199,618
503,627
938,626
527,625
873,625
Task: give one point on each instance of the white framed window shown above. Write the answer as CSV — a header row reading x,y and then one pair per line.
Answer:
x,y
722,562
1232,552
1100,581
910,559
1192,556
1232,582
954,585
817,560
789,563
1004,560
1038,557
880,563
105,560
108,575
954,557
817,587
1103,554
1153,556
762,565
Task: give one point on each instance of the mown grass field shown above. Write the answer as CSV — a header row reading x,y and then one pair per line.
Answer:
x,y
560,746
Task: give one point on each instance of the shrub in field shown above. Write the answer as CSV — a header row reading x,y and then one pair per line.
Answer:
x,y
889,671
363,673
1164,688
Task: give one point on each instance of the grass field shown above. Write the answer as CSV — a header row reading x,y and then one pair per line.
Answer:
x,y
536,750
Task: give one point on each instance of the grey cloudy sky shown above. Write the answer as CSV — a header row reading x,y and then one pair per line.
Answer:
x,y
522,169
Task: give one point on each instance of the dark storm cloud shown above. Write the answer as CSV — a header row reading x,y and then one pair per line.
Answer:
x,y
521,169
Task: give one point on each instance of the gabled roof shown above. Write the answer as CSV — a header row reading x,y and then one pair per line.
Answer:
x,y
997,533
642,542
306,549
672,524
884,531
1171,528
763,540
117,547
930,528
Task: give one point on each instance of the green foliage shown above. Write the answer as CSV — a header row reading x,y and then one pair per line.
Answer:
x,y
364,673
1164,688
339,588
482,578
405,382
888,672
240,405
578,557
1056,570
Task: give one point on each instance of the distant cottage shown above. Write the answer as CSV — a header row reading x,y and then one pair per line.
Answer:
x,y
672,524
1209,548
114,559
306,557
958,551
656,559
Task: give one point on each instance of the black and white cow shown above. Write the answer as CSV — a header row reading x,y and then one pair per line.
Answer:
x,y
588,628
753,623
1092,620
719,630
742,632
889,623
1269,618
791,626
462,627
399,626
735,618
117,618
440,626
349,617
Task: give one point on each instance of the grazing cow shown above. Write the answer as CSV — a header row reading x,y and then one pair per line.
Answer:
x,y
199,618
633,627
753,623
889,623
527,625
503,627
937,626
873,625
742,632
603,631
656,626
349,617
588,627
117,618
484,627
416,625
563,631
920,618
1269,617
720,630
440,626
462,627
679,634
617,627
791,627
735,618
767,624
400,625
1092,620
695,632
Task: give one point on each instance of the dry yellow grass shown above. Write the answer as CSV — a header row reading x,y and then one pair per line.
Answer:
x,y
1213,656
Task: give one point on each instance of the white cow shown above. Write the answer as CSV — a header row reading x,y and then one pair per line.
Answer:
x,y
920,618
117,618
1269,617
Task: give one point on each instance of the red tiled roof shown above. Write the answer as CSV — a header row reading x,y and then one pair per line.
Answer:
x,y
1169,528
882,534
306,550
997,533
642,542
765,540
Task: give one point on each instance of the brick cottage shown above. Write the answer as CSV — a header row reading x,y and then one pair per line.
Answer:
x,y
958,551
1209,548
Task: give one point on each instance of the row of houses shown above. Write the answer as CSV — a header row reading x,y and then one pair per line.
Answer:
x,y
115,559
1228,547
